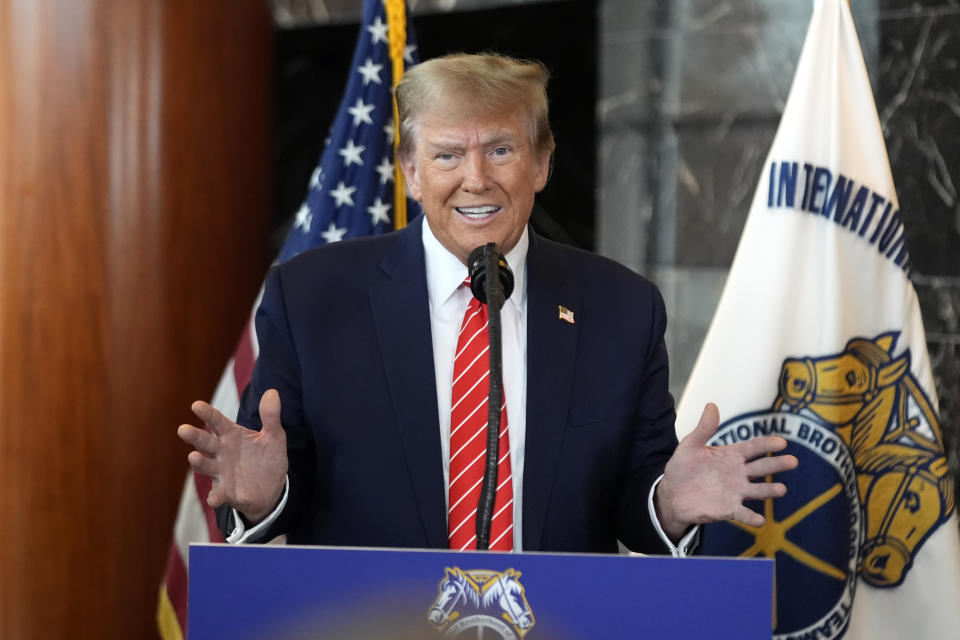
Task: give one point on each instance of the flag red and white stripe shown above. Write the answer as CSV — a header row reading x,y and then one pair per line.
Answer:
x,y
344,200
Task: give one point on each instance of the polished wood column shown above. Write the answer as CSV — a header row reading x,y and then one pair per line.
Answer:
x,y
134,171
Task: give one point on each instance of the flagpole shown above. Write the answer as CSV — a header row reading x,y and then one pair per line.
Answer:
x,y
397,21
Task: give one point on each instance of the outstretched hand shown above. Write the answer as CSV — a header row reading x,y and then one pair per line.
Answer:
x,y
704,483
248,467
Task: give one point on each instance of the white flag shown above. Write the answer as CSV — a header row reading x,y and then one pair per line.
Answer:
x,y
818,338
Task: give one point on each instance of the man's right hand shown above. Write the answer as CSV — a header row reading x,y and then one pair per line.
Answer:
x,y
248,468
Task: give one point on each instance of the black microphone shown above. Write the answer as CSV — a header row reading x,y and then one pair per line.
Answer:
x,y
477,267
492,283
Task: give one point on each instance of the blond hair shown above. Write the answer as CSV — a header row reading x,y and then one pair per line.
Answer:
x,y
484,84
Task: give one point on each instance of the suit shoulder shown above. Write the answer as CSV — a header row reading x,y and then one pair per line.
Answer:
x,y
599,273
354,250
344,261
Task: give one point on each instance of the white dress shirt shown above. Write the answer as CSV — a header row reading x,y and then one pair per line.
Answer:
x,y
448,303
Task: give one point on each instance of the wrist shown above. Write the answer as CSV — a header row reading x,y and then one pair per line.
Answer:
x,y
672,524
252,517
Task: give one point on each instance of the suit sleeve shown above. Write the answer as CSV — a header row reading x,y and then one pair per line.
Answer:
x,y
653,442
278,367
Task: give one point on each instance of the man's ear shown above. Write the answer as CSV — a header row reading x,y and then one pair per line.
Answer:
x,y
544,170
409,169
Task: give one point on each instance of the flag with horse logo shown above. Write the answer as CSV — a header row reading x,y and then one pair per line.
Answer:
x,y
818,338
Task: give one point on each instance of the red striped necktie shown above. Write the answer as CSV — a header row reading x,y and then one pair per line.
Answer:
x,y
468,439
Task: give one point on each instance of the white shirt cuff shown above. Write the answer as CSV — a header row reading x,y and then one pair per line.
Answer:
x,y
687,542
241,534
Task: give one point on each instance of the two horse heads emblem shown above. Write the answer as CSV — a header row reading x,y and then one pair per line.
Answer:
x,y
873,403
482,599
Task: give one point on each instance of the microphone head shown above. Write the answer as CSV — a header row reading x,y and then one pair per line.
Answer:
x,y
477,268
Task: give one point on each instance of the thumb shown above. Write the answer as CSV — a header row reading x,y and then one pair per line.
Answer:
x,y
709,421
270,411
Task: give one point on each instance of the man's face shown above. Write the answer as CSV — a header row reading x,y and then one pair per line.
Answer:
x,y
476,178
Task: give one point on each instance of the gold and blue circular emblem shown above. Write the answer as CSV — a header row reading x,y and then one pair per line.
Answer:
x,y
814,532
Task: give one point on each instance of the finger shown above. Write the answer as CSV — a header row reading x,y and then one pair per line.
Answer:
x,y
709,421
203,464
764,490
748,517
211,417
770,465
270,412
199,439
757,447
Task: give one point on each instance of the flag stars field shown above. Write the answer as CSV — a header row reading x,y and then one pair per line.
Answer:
x,y
378,31
343,195
303,219
408,53
351,154
378,212
334,233
361,112
370,72
385,169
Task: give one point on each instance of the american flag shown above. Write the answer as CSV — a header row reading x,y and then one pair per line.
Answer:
x,y
351,193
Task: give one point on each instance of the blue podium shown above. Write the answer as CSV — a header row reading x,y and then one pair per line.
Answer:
x,y
290,592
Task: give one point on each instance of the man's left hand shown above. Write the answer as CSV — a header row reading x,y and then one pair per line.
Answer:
x,y
704,483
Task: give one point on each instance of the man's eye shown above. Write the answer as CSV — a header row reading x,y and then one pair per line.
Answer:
x,y
501,151
445,156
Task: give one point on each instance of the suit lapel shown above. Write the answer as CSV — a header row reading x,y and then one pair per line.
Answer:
x,y
551,351
401,314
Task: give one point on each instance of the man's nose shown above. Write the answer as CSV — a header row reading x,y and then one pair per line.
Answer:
x,y
475,176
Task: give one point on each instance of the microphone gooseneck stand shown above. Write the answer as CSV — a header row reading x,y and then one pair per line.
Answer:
x,y
492,283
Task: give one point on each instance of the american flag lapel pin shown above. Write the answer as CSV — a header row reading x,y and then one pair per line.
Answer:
x,y
566,314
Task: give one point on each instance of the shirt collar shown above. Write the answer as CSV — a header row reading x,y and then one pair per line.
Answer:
x,y
445,272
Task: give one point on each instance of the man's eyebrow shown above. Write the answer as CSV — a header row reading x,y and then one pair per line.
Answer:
x,y
456,144
500,137
444,145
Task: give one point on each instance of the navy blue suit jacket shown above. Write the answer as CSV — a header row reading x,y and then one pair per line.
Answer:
x,y
344,335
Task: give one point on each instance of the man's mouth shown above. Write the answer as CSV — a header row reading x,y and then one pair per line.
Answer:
x,y
478,213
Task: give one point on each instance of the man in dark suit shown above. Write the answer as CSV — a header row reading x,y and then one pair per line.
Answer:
x,y
350,401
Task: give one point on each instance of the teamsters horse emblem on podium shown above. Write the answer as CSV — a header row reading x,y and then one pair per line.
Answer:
x,y
871,487
475,603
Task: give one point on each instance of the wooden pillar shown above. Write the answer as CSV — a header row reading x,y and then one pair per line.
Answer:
x,y
134,174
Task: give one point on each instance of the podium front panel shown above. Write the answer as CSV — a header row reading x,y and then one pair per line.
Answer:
x,y
291,592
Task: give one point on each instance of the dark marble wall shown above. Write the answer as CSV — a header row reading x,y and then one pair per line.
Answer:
x,y
690,96
918,98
